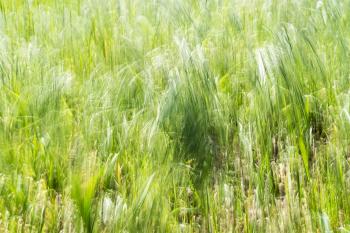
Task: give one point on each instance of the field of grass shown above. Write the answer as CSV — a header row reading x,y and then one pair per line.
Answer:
x,y
174,116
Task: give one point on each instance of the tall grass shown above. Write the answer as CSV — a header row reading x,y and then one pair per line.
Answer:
x,y
174,116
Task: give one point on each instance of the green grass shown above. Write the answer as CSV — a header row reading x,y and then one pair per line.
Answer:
x,y
174,116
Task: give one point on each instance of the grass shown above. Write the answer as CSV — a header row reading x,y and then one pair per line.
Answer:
x,y
174,116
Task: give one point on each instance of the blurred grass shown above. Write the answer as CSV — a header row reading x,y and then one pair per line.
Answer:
x,y
174,116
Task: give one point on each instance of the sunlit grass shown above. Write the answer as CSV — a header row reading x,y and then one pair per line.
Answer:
x,y
174,116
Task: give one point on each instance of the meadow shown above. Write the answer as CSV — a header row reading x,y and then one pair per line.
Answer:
x,y
174,116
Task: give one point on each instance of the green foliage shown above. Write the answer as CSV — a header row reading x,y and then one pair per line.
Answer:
x,y
174,116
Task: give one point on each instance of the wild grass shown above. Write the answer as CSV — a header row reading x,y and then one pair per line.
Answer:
x,y
174,116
